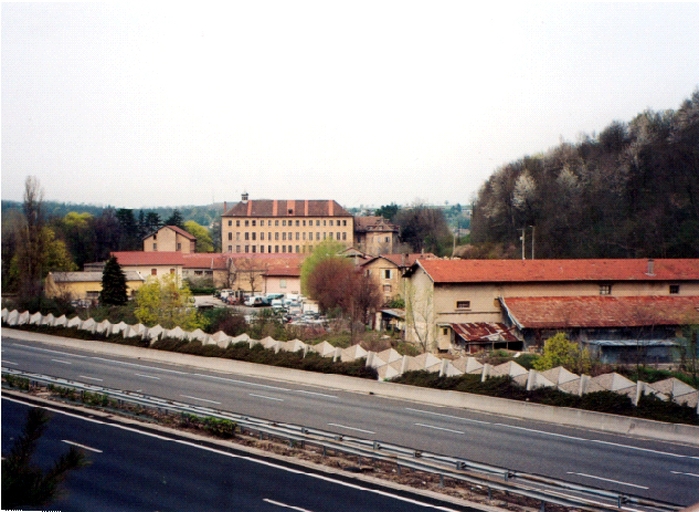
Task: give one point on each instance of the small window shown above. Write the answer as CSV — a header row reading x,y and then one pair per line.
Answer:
x,y
172,270
331,222
154,271
387,288
605,289
387,274
247,236
674,289
155,247
282,283
445,331
276,222
463,304
237,248
247,223
298,223
179,246
230,236
237,223
230,222
344,222
283,223
230,248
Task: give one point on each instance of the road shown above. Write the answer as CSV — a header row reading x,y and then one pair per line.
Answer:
x,y
132,470
653,469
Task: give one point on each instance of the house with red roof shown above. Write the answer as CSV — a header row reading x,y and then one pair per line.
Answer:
x,y
618,307
204,267
170,239
155,264
387,270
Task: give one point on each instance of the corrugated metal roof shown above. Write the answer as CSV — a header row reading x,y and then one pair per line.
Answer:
x,y
601,311
631,343
483,331
504,271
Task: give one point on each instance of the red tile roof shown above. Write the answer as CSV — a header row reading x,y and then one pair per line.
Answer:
x,y
182,232
601,311
374,223
287,208
135,258
402,260
273,264
211,261
504,271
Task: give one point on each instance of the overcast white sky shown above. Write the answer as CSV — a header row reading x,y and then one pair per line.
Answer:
x,y
366,103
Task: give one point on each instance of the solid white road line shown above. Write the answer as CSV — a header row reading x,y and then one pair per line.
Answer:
x,y
608,480
694,475
147,376
284,505
440,415
202,399
434,427
124,363
39,349
267,397
314,393
61,361
236,381
82,446
351,428
90,378
10,362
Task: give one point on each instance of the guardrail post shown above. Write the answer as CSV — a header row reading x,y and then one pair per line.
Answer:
x,y
490,494
441,480
543,507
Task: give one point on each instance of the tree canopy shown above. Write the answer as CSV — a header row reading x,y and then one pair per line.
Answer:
x,y
204,241
166,303
631,191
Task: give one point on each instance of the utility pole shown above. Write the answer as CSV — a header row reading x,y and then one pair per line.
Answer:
x,y
533,228
522,238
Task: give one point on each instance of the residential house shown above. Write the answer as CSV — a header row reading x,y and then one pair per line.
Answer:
x,y
266,273
387,270
283,226
476,304
156,264
212,267
375,235
170,239
84,286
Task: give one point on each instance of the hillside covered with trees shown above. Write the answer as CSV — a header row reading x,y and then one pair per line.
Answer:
x,y
631,191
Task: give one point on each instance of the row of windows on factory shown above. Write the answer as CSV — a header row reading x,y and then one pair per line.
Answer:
x,y
288,236
290,222
270,248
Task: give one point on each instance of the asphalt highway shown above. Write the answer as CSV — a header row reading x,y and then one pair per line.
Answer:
x,y
131,470
657,470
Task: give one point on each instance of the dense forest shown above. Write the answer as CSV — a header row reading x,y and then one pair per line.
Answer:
x,y
631,191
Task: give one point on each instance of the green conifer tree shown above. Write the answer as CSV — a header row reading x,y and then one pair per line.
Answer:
x,y
113,284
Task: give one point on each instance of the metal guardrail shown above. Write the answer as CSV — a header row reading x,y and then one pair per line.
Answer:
x,y
490,478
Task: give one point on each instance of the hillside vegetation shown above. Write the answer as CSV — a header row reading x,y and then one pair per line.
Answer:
x,y
631,191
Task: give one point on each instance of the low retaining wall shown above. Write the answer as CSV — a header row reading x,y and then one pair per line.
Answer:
x,y
611,423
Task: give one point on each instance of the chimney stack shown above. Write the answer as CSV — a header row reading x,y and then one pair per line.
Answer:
x,y
651,267
244,197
